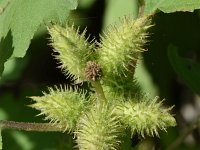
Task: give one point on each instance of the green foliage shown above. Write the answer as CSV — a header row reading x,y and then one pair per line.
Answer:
x,y
5,50
168,6
24,17
112,11
117,104
187,69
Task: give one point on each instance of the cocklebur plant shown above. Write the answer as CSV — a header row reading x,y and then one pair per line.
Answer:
x,y
98,119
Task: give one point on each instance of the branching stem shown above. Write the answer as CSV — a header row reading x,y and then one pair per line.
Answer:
x,y
39,127
99,91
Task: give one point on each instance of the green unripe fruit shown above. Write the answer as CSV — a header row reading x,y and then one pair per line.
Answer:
x,y
73,50
62,107
121,45
99,129
145,117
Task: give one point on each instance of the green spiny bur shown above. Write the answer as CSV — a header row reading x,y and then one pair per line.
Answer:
x,y
121,46
62,106
99,129
74,51
146,116
119,50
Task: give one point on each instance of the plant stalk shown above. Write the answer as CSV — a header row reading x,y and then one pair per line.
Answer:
x,y
141,8
25,126
99,91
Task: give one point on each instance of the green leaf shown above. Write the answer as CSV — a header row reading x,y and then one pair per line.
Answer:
x,y
186,69
5,50
118,9
169,6
24,17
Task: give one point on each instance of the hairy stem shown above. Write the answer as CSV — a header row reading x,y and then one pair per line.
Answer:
x,y
39,127
189,130
99,91
141,8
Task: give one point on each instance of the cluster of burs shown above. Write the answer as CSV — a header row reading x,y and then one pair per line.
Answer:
x,y
99,117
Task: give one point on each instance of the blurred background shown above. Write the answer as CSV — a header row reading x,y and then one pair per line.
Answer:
x,y
160,72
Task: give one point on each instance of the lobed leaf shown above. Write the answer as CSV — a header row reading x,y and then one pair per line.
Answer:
x,y
169,6
6,50
24,17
